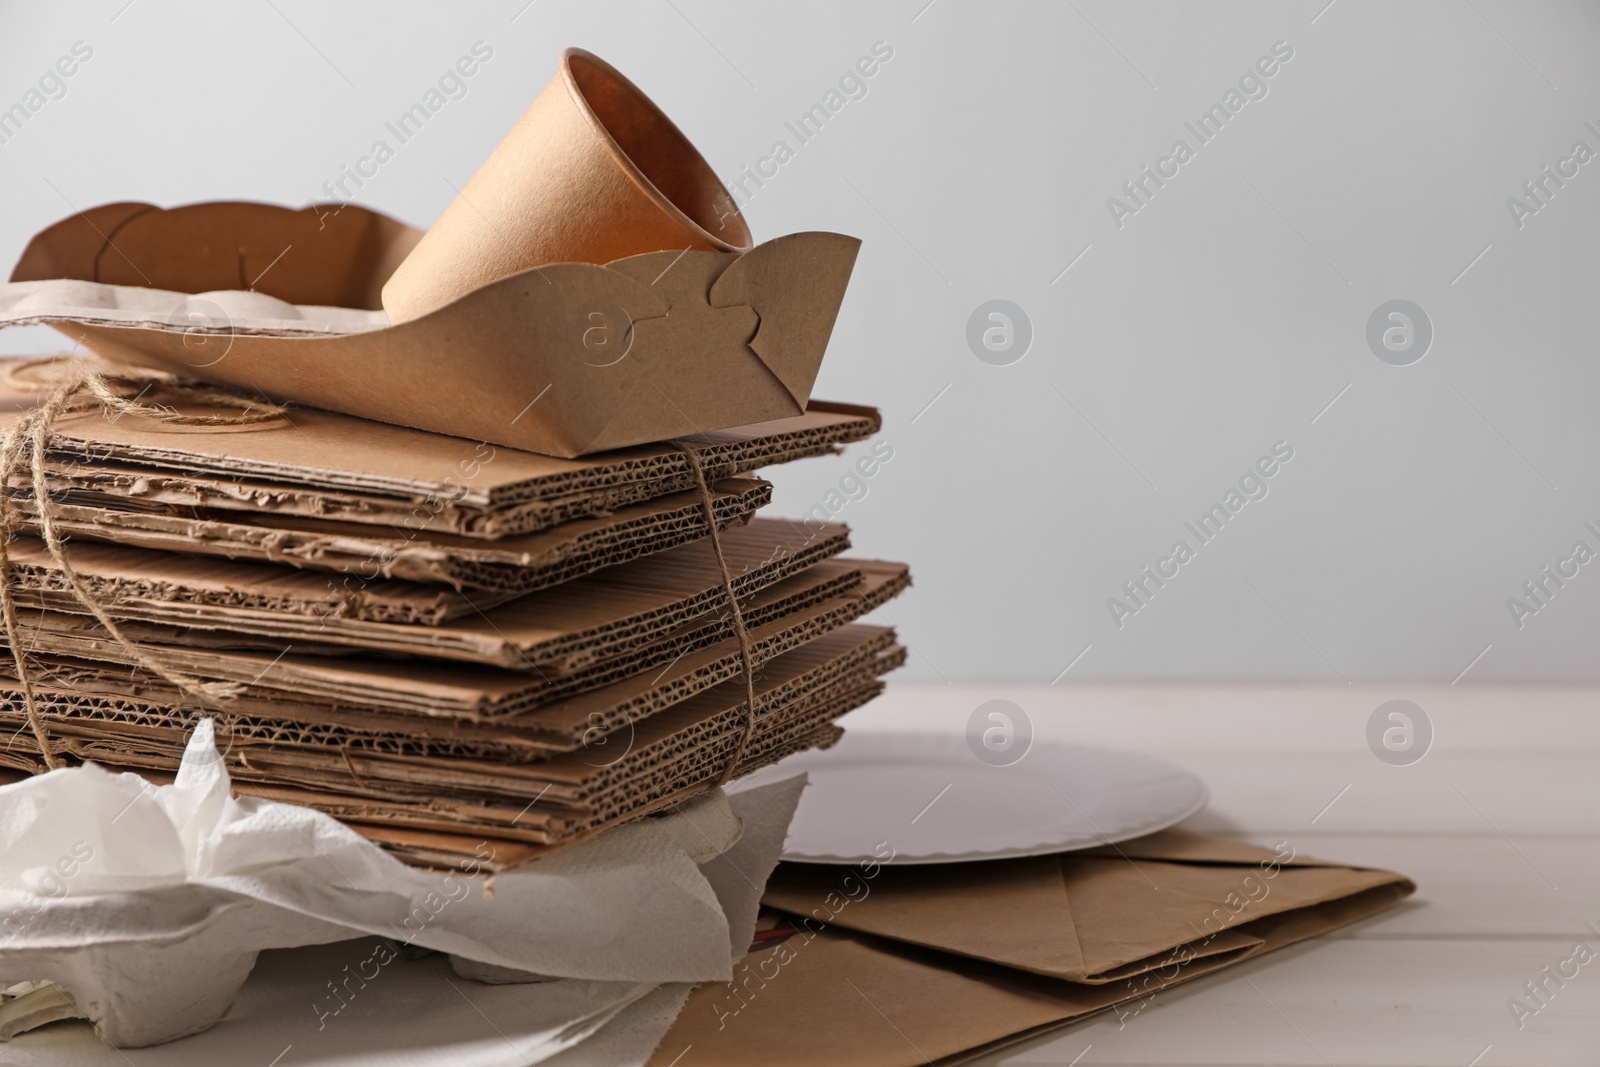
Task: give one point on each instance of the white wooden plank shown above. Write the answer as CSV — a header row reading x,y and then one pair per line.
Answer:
x,y
1473,886
1499,824
1298,793
1294,793
1261,718
1350,1003
1451,790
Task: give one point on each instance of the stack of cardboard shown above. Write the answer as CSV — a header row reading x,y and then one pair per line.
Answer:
x,y
436,640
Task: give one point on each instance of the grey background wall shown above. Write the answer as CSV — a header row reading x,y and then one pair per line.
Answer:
x,y
1175,340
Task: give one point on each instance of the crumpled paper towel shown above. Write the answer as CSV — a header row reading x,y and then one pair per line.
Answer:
x,y
416,1013
148,904
739,876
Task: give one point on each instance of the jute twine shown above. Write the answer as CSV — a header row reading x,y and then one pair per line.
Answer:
x,y
747,726
90,390
27,442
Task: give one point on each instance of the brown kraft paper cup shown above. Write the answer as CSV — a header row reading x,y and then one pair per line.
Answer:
x,y
592,172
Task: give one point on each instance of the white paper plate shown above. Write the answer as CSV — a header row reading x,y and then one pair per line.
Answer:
x,y
933,801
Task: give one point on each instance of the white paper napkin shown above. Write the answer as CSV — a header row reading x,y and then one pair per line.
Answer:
x,y
419,1013
149,903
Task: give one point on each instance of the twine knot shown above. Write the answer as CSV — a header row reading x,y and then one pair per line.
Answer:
x,y
27,444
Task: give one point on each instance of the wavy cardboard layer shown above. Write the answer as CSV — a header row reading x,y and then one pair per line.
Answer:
x,y
671,755
411,718
322,465
198,583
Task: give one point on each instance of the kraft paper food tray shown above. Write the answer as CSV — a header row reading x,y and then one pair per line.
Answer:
x,y
285,303
963,959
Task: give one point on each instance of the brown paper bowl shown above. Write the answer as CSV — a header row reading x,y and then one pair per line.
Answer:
x,y
593,172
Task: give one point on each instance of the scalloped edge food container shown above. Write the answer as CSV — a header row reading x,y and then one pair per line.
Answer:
x,y
565,359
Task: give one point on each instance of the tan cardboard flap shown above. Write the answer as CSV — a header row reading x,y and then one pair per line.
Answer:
x,y
666,758
559,632
324,465
466,640
203,590
802,686
405,716
700,664
359,554
796,697
447,844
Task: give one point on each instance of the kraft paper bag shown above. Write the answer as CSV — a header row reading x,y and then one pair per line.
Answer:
x,y
962,959
1097,918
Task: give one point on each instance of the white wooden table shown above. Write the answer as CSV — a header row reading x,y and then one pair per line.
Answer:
x,y
1499,825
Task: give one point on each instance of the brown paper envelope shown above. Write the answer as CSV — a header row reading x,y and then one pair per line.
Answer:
x,y
845,998
1128,926
1208,875
1085,918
